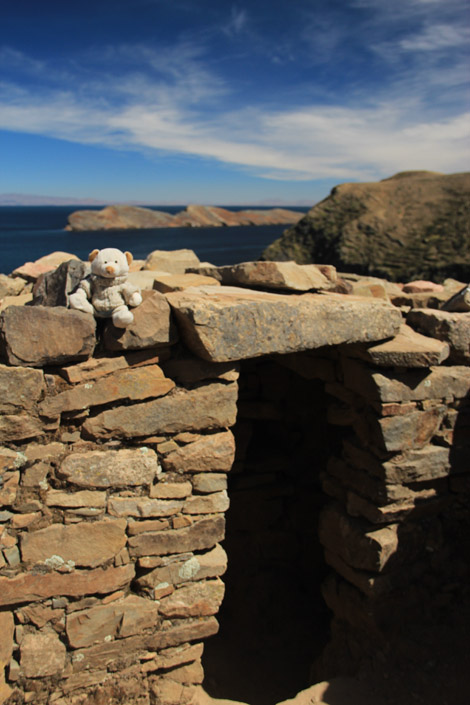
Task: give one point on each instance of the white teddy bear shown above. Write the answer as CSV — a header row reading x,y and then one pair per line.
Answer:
x,y
105,292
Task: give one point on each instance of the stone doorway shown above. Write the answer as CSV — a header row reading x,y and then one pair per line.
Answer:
x,y
273,621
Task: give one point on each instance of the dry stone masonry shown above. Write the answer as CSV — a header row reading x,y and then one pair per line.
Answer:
x,y
337,425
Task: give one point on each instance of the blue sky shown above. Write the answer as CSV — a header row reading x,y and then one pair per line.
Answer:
x,y
268,101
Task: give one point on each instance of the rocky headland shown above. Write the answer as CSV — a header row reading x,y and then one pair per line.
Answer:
x,y
415,224
194,216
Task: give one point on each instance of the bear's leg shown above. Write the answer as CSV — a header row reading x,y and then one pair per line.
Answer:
x,y
122,317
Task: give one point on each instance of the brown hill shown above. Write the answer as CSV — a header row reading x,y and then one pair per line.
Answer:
x,y
413,225
134,217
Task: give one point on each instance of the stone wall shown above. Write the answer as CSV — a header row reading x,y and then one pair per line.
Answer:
x,y
115,452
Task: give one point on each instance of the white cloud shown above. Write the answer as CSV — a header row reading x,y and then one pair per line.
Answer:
x,y
436,38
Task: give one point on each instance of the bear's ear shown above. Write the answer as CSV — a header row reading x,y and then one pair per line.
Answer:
x,y
129,257
92,255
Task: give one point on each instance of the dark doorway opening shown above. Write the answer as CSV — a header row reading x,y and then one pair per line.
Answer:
x,y
274,623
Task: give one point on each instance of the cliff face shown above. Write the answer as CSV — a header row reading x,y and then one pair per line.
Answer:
x,y
133,217
415,224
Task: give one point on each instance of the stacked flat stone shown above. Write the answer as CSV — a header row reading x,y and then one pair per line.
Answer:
x,y
114,462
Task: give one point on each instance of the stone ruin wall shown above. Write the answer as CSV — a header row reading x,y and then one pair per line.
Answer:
x,y
114,476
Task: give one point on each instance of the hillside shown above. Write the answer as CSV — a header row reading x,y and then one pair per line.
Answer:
x,y
413,225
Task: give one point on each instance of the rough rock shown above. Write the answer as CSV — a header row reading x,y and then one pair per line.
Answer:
x,y
85,498
32,587
232,324
53,288
208,407
101,366
204,565
407,349
20,388
200,535
179,282
209,482
20,300
412,385
17,427
173,261
207,504
11,286
143,507
144,279
452,328
420,286
190,370
42,655
36,336
362,548
110,468
7,630
460,302
271,275
131,384
151,327
119,619
32,270
414,430
211,453
412,225
85,544
200,599
171,490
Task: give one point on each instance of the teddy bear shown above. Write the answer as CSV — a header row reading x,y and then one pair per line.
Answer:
x,y
105,291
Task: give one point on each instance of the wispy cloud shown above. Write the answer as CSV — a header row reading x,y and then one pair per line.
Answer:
x,y
158,100
436,38
237,22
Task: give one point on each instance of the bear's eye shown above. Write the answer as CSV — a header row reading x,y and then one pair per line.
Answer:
x,y
115,261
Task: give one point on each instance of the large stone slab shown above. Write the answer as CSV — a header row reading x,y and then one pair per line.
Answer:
x,y
86,544
207,407
110,468
131,384
232,324
33,336
33,587
452,328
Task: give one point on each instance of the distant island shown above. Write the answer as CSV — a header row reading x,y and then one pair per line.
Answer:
x,y
195,216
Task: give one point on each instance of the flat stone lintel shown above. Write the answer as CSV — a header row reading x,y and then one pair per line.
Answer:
x,y
231,323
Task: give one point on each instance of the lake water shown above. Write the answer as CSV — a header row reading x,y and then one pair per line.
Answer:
x,y
30,232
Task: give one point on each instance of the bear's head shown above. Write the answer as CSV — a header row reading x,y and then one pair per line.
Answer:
x,y
110,262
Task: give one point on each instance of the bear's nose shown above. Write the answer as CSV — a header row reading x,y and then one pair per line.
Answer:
x,y
109,269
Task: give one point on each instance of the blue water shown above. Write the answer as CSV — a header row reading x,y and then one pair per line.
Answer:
x,y
30,232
